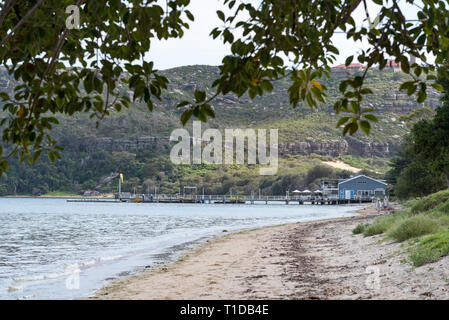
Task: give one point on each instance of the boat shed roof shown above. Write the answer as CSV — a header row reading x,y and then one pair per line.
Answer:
x,y
359,176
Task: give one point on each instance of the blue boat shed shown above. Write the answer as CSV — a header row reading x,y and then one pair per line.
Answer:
x,y
361,187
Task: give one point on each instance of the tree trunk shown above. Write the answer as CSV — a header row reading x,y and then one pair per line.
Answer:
x,y
446,175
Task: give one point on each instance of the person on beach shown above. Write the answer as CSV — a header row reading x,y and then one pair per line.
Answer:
x,y
378,205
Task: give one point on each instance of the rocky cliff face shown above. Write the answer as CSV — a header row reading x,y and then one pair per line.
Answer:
x,y
337,148
369,149
334,148
402,103
109,144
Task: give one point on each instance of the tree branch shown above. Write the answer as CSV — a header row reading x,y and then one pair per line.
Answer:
x,y
343,18
49,67
22,21
5,10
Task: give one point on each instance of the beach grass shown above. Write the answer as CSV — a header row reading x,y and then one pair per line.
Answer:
x,y
430,249
382,224
412,227
360,228
423,222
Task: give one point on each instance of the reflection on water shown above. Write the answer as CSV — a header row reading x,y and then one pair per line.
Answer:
x,y
44,241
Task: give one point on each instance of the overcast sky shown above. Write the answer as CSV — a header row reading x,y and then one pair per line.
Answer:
x,y
197,47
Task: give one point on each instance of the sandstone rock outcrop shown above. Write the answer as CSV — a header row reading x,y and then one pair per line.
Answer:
x,y
368,148
333,148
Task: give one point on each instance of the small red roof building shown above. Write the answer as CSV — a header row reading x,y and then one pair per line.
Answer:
x,y
340,66
351,66
393,64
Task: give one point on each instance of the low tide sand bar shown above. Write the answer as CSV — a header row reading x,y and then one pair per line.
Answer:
x,y
311,260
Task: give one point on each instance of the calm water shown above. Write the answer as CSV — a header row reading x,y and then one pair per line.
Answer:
x,y
52,249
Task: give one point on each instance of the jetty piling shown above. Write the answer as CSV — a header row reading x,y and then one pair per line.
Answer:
x,y
229,199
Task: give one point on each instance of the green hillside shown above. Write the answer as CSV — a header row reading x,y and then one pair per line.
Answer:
x,y
306,137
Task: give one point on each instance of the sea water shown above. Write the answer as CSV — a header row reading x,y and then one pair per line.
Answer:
x,y
54,249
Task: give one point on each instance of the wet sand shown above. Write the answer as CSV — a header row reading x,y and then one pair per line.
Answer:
x,y
313,260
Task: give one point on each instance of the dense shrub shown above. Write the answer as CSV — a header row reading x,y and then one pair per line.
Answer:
x,y
413,227
360,228
381,224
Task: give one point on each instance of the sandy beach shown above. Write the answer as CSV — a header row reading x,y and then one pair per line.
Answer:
x,y
312,260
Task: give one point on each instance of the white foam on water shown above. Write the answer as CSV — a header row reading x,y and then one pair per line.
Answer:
x,y
41,277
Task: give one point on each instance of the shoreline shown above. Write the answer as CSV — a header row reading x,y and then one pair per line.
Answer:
x,y
121,288
307,260
274,262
